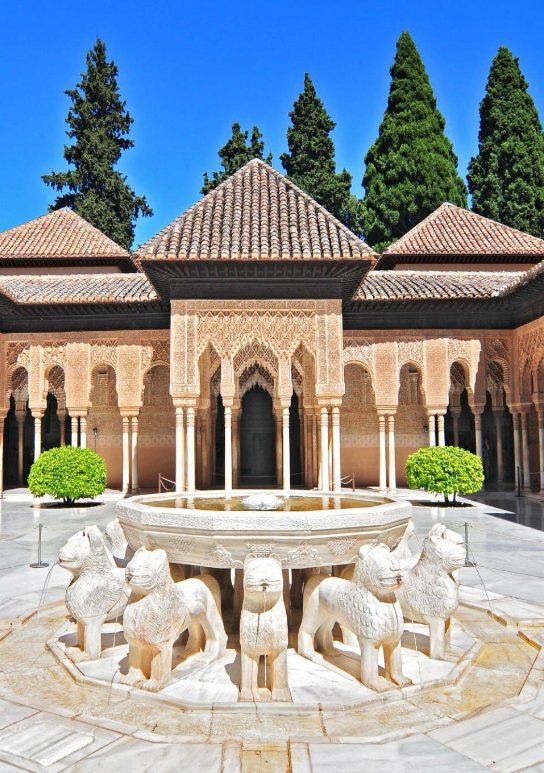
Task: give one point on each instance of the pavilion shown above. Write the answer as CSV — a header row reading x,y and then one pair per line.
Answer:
x,y
256,341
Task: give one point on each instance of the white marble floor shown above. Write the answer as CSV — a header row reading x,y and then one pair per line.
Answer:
x,y
509,577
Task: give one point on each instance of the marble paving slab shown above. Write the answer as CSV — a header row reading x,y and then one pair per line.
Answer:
x,y
141,757
411,755
504,739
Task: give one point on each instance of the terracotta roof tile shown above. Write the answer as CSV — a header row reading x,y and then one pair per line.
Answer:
x,y
434,285
60,234
451,230
78,288
257,214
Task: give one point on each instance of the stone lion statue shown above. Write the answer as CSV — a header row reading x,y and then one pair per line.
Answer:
x,y
160,610
263,628
429,592
367,606
117,542
97,591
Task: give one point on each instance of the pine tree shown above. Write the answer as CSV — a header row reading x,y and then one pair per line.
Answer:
x,y
234,154
310,161
411,168
506,178
99,125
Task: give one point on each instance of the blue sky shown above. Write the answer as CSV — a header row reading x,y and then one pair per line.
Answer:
x,y
188,70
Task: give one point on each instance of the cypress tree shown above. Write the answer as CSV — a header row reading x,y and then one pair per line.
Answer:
x,y
99,125
310,161
411,168
506,178
236,152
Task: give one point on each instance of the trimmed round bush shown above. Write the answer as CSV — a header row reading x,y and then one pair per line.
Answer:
x,y
68,473
445,470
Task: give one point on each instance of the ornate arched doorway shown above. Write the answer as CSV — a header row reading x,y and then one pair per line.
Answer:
x,y
257,439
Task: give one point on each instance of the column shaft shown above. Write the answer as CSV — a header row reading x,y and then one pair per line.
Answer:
x,y
83,431
62,428
286,449
383,470
235,447
478,433
279,452
432,431
517,449
541,448
336,461
392,461
228,450
134,446
37,434
125,423
498,434
324,455
525,450
190,450
441,432
180,449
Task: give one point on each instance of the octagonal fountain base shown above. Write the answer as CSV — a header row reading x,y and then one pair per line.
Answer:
x,y
330,684
306,529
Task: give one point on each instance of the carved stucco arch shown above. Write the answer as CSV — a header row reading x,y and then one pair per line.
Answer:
x,y
413,366
18,383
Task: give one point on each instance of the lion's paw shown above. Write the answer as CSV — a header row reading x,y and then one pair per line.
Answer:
x,y
76,655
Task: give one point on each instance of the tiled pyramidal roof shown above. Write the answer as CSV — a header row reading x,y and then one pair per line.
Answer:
x,y
257,214
451,230
78,288
435,285
60,234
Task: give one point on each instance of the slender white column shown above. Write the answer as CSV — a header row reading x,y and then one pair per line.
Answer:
x,y
134,447
383,470
37,433
441,432
315,460
62,428
498,434
517,448
286,449
541,448
279,452
432,431
324,456
336,463
525,450
83,431
478,433
21,416
180,450
125,423
228,450
235,447
190,450
392,461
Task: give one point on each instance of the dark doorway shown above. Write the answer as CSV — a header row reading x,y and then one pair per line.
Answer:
x,y
257,439
294,442
220,443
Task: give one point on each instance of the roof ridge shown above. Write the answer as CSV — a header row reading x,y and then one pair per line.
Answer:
x,y
417,227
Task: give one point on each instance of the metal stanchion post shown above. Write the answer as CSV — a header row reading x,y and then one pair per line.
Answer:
x,y
39,564
468,562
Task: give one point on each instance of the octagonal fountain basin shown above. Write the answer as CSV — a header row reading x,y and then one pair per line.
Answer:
x,y
304,529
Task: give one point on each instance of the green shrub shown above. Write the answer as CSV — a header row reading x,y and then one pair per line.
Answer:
x,y
68,473
445,470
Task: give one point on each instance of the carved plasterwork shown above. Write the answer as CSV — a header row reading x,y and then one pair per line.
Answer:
x,y
104,352
54,353
18,354
359,351
258,376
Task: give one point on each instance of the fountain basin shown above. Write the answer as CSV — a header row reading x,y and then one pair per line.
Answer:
x,y
311,529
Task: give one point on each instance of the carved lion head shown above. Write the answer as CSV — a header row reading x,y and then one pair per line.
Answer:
x,y
377,569
444,547
263,578
147,570
83,549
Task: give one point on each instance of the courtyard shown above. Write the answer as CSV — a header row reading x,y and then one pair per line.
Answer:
x,y
490,717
